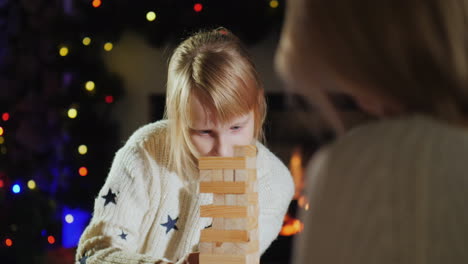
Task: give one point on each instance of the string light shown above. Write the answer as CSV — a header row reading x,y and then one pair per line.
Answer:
x,y
198,7
82,149
5,116
69,218
83,171
86,41
274,3
109,99
150,16
8,242
2,140
63,51
2,131
31,184
51,239
72,113
90,85
108,46
16,188
96,3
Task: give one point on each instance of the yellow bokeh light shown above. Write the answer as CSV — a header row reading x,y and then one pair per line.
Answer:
x,y
3,150
274,3
90,85
151,16
82,149
72,113
2,140
31,184
63,51
108,46
86,41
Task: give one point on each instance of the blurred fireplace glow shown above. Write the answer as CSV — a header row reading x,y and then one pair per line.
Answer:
x,y
292,225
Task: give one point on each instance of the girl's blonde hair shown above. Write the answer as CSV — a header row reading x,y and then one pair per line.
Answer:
x,y
214,67
412,52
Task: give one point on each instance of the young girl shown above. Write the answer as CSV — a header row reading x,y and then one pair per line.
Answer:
x,y
393,191
148,208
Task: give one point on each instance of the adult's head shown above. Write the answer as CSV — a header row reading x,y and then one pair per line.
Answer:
x,y
393,57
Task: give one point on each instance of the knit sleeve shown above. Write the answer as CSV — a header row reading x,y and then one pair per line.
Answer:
x,y
276,189
121,214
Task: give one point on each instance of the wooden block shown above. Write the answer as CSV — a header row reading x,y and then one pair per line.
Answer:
x,y
218,223
221,259
230,199
253,258
247,199
221,187
253,234
240,175
248,223
228,175
252,210
217,175
251,162
226,211
218,199
252,175
231,248
236,224
206,247
206,175
247,150
217,235
212,163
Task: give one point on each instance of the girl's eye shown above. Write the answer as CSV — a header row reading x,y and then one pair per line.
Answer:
x,y
204,132
235,128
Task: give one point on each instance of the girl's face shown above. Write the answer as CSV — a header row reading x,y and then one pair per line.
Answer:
x,y
211,138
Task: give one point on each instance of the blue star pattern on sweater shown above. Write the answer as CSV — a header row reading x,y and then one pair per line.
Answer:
x,y
83,260
170,224
109,197
123,235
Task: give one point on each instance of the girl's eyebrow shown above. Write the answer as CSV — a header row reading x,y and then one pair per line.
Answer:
x,y
241,121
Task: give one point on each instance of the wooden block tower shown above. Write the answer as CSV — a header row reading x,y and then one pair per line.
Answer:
x,y
233,237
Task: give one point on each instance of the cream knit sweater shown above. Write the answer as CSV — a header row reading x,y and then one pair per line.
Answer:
x,y
144,215
391,192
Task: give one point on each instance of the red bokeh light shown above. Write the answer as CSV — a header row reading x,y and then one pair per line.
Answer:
x,y
51,239
198,7
109,99
5,116
8,242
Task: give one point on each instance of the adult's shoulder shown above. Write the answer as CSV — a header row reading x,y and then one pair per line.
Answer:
x,y
400,145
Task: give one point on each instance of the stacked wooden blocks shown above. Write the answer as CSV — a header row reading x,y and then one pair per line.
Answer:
x,y
233,237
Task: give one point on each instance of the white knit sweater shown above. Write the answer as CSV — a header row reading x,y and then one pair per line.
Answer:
x,y
144,215
390,192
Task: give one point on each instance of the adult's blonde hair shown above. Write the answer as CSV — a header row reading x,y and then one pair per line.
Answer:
x,y
214,67
414,52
